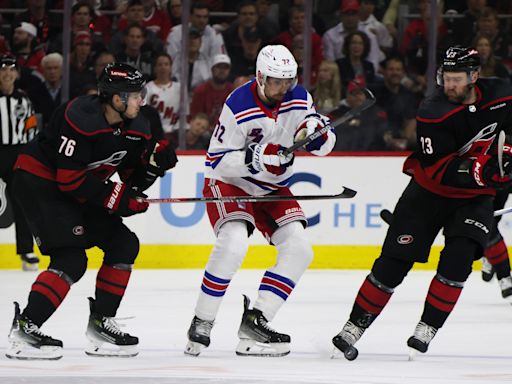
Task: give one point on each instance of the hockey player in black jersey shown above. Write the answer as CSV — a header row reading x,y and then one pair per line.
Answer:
x,y
62,180
455,173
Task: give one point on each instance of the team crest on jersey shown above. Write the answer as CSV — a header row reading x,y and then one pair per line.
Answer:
x,y
481,142
78,230
405,239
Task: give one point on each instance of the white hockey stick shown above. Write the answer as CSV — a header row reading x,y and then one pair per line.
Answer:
x,y
503,211
501,144
346,193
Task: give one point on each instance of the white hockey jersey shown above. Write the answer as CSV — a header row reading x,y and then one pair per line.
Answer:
x,y
166,100
245,119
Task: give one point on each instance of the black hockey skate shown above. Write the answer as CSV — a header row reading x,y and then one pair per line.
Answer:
x,y
345,340
198,336
29,261
506,288
257,338
27,342
487,270
105,337
423,335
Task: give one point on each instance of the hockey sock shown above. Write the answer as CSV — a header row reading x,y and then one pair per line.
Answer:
x,y
497,254
370,301
213,288
273,291
47,293
111,283
441,299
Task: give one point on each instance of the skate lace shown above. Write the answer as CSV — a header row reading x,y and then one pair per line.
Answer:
x,y
32,329
111,325
424,332
203,327
351,333
505,283
264,324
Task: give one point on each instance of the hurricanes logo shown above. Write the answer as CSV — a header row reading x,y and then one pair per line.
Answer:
x,y
78,230
405,239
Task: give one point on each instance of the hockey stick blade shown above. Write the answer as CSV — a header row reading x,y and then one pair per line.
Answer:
x,y
349,115
346,193
387,216
501,145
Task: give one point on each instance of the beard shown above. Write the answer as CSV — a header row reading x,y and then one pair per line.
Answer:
x,y
459,99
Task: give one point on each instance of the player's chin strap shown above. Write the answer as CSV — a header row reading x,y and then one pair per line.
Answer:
x,y
349,115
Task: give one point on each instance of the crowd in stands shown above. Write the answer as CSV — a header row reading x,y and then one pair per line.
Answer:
x,y
354,44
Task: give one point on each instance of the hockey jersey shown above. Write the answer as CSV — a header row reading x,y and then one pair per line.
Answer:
x,y
245,119
166,100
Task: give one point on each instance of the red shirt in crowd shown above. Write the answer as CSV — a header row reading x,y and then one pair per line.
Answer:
x,y
209,100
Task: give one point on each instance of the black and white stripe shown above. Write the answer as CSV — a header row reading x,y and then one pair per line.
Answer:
x,y
15,110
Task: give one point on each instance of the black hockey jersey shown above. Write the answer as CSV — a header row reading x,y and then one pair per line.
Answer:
x,y
79,150
448,134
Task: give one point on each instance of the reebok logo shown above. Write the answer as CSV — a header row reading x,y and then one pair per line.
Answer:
x,y
497,106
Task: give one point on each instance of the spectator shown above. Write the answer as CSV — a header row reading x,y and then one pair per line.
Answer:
x,y
354,64
491,66
174,10
247,21
47,24
46,94
17,127
164,96
244,64
136,52
24,46
209,97
285,38
327,94
466,27
101,61
154,19
370,23
134,15
198,134
81,70
361,133
400,105
333,39
241,80
318,22
265,22
101,23
211,42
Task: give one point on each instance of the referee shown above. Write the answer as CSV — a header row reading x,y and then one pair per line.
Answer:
x,y
18,126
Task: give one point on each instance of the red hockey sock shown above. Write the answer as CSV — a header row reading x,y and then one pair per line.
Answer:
x,y
111,284
372,298
441,299
497,253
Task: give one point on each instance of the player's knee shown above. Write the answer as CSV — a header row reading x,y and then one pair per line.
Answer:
x,y
230,247
391,271
124,249
72,262
456,259
293,246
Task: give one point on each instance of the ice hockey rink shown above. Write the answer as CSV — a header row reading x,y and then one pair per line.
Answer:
x,y
475,346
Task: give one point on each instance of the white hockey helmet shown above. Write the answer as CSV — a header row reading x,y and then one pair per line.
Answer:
x,y
275,61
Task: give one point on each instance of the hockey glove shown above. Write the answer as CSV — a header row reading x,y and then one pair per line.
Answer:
x,y
486,171
163,158
124,201
267,157
312,123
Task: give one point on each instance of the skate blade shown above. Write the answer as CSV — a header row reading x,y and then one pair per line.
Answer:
x,y
254,348
29,267
24,351
413,353
336,354
111,350
193,348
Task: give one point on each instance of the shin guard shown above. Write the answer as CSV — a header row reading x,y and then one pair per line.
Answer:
x,y
441,299
111,283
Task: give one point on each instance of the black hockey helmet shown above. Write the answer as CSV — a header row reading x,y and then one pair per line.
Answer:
x,y
120,78
8,61
461,59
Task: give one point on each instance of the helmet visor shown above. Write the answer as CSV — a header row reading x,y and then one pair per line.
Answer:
x,y
139,97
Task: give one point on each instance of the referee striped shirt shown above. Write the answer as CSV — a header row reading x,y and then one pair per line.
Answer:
x,y
17,119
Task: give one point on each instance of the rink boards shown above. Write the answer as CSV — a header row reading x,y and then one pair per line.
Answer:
x,y
345,233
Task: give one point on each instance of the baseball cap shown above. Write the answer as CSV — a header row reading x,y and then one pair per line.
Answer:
x,y
28,27
220,59
8,61
349,6
356,85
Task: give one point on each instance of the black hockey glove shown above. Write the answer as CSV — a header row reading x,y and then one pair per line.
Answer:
x,y
163,158
124,201
486,171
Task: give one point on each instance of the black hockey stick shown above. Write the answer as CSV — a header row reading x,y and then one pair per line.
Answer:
x,y
501,145
387,216
349,115
346,193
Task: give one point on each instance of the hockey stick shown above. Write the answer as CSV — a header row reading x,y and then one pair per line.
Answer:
x,y
346,193
501,144
387,216
503,211
349,115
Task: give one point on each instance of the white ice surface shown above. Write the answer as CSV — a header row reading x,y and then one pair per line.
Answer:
x,y
475,346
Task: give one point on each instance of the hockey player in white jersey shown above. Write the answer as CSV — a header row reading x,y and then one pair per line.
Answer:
x,y
245,157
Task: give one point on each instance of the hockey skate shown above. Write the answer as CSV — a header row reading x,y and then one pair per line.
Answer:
x,y
506,288
27,342
29,261
487,270
105,337
257,338
423,335
345,340
198,336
